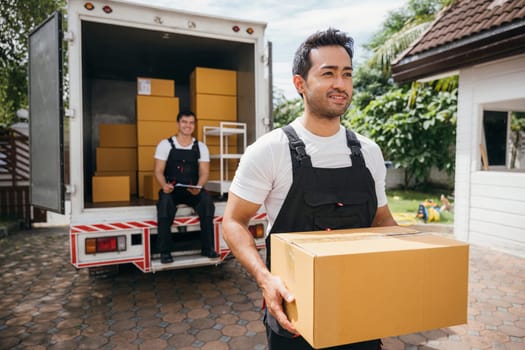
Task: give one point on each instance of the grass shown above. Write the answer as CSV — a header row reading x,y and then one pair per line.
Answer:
x,y
405,203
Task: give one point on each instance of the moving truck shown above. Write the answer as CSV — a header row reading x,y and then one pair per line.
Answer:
x,y
93,131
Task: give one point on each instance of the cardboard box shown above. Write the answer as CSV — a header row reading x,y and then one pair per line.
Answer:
x,y
215,170
215,150
151,187
132,178
150,133
110,188
214,107
356,285
116,159
157,108
117,135
140,180
155,87
213,81
146,160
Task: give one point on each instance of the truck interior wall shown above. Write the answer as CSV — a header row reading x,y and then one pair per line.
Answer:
x,y
86,135
112,102
246,90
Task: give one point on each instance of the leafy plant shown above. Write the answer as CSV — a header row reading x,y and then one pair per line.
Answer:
x,y
517,137
414,137
286,111
17,19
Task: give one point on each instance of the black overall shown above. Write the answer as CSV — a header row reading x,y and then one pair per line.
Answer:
x,y
322,199
182,166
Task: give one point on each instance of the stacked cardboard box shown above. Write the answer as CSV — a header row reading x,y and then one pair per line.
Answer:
x,y
214,99
155,87
116,163
157,109
376,282
110,188
151,187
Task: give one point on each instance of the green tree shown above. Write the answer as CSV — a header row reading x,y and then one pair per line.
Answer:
x,y
415,138
517,133
285,111
410,122
369,82
17,19
401,29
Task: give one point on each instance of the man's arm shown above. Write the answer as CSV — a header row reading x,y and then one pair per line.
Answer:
x,y
160,165
237,215
384,217
204,173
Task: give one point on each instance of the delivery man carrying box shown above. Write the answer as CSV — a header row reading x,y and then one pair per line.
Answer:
x,y
310,175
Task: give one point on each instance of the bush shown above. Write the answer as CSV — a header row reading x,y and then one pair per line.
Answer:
x,y
415,136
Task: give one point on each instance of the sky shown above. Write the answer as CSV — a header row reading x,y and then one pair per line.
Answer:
x,y
290,22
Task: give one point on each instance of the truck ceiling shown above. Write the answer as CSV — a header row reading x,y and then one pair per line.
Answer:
x,y
123,53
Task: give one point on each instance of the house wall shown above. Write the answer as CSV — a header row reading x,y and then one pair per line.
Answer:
x,y
489,205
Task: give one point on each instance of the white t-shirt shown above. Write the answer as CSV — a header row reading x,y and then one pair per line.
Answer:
x,y
264,175
164,147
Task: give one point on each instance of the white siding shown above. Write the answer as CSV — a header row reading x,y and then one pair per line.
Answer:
x,y
489,205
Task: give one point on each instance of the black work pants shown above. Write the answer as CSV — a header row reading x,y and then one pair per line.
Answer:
x,y
277,342
167,208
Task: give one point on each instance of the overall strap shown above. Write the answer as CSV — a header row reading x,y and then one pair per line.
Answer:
x,y
170,140
355,147
297,149
195,148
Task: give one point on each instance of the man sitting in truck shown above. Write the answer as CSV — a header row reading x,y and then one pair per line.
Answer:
x,y
182,167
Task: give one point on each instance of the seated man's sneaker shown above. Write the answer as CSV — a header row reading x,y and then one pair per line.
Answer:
x,y
165,258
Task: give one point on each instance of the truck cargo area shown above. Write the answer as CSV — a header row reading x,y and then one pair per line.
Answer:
x,y
114,56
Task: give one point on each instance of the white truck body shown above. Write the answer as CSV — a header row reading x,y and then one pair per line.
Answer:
x,y
110,44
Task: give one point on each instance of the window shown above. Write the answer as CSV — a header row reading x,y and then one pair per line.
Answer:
x,y
503,143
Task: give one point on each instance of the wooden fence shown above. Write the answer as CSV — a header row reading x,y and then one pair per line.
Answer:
x,y
14,176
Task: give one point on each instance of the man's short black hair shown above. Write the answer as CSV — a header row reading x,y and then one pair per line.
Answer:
x,y
329,37
186,113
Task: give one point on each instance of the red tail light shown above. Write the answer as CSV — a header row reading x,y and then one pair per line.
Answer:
x,y
105,244
257,230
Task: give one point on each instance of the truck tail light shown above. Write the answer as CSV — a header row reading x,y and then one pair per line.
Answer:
x,y
257,230
105,244
89,6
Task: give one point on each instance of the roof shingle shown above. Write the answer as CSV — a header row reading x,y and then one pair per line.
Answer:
x,y
465,18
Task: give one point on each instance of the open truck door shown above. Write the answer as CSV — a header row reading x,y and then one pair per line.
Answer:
x,y
46,115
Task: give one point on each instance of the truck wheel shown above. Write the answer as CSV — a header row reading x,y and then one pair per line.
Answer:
x,y
100,272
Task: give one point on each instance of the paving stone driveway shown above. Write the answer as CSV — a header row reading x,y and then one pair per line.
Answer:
x,y
45,303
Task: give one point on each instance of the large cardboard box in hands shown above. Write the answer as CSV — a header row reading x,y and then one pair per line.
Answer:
x,y
362,284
